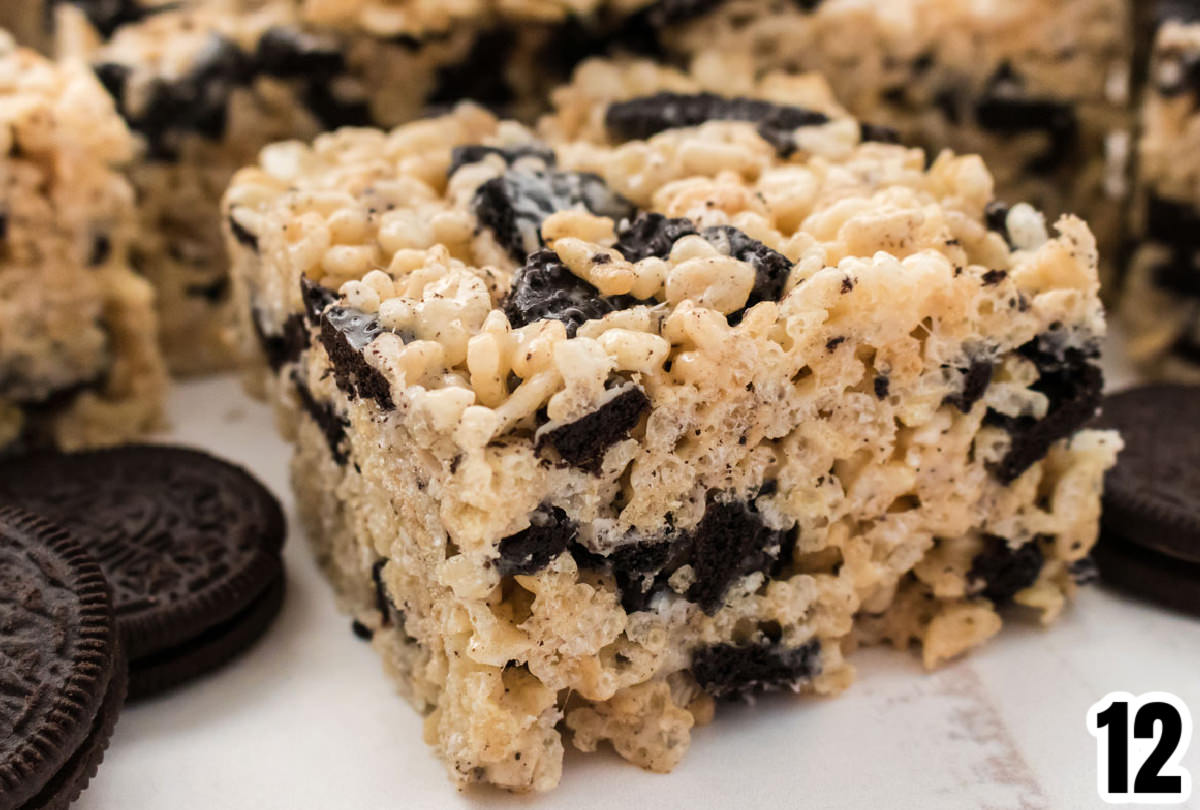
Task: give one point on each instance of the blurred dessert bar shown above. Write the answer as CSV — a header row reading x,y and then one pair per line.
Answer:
x,y
1039,88
1160,300
79,363
206,84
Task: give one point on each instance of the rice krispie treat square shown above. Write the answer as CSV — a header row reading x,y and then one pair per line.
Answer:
x,y
79,361
1039,88
593,432
1160,303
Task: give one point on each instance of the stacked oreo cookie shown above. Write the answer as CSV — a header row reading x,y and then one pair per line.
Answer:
x,y
122,571
62,672
1150,540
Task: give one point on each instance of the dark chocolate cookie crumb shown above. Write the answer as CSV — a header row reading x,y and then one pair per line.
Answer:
x,y
345,332
771,268
1003,570
284,348
214,291
332,424
995,215
530,550
473,153
546,289
975,381
1178,275
635,568
583,443
383,602
730,542
652,234
106,16
101,250
1071,381
113,78
514,205
479,77
196,102
729,671
1171,222
1084,571
1005,107
316,300
334,111
641,118
287,53
878,133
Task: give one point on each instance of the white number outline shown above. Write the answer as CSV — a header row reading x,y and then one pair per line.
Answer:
x,y
1140,749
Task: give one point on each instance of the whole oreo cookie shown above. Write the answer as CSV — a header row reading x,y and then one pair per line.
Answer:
x,y
61,669
1152,496
160,671
188,543
1156,577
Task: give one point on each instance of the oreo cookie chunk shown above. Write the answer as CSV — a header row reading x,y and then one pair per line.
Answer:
x,y
189,543
514,205
1152,496
545,288
62,672
641,118
646,116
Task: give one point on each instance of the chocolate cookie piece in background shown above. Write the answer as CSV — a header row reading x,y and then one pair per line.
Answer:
x,y
1155,577
190,544
1150,539
1152,496
62,673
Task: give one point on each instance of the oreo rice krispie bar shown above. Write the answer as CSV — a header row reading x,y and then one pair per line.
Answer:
x,y
79,363
591,433
1039,88
1160,303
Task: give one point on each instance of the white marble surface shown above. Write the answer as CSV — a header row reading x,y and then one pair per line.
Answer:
x,y
306,720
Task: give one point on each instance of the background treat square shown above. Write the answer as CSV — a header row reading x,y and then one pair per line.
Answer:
x,y
1045,102
205,86
79,363
626,425
1160,301
1039,88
